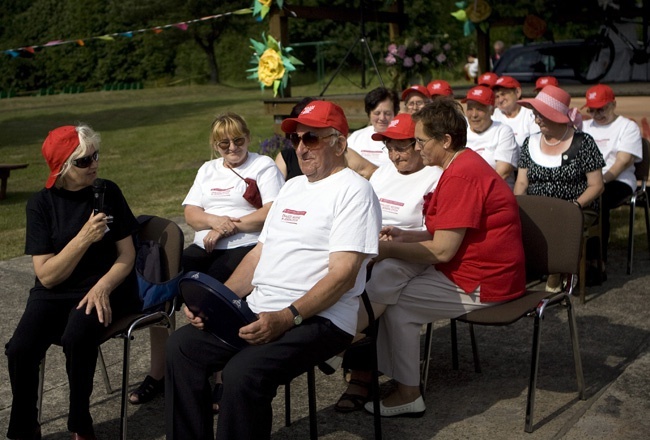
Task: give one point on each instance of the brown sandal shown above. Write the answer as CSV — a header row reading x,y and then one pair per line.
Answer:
x,y
357,400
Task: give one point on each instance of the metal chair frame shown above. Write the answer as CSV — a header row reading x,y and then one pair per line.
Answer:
x,y
125,327
541,252
311,384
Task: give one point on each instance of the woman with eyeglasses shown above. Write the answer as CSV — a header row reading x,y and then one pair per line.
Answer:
x,y
381,105
415,97
560,161
619,140
226,224
83,263
469,256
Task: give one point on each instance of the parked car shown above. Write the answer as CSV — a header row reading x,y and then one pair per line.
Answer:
x,y
564,60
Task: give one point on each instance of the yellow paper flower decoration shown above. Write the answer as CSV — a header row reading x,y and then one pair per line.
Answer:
x,y
478,11
273,64
270,67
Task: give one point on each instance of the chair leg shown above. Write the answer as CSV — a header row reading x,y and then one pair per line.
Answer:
x,y
646,207
102,367
313,415
427,356
374,389
287,404
577,360
41,383
454,345
630,236
126,364
477,360
582,277
532,384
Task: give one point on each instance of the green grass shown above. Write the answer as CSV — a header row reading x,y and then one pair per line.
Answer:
x,y
153,141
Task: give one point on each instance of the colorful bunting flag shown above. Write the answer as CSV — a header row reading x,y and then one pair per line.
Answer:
x,y
16,52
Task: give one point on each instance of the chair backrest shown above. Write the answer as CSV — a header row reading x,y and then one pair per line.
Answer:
x,y
170,237
551,233
642,169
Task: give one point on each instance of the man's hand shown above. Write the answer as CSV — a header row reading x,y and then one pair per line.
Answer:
x,y
269,327
194,320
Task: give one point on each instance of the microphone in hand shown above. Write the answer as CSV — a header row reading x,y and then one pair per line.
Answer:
x,y
99,187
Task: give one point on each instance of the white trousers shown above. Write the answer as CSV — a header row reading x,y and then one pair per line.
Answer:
x,y
428,296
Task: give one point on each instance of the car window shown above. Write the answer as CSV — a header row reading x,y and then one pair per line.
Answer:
x,y
526,62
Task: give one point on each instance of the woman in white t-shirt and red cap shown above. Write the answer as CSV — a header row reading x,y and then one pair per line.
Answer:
x,y
619,140
507,92
492,140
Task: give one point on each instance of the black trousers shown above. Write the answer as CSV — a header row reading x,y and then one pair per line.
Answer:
x,y
56,321
615,191
251,378
219,264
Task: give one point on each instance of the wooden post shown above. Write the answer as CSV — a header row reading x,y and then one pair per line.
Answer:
x,y
279,29
483,50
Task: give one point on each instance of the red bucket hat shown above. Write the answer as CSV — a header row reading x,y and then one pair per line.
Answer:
x,y
599,96
488,79
59,144
507,82
400,127
552,103
544,81
415,88
319,114
439,87
481,94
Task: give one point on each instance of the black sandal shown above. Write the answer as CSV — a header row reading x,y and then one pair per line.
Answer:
x,y
357,400
147,390
217,392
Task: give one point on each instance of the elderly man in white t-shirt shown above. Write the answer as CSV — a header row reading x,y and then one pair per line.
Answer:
x,y
619,140
321,230
492,140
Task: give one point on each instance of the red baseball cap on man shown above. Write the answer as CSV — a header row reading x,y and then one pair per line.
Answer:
x,y
544,81
507,82
319,114
401,126
416,88
488,79
481,94
599,96
439,87
59,144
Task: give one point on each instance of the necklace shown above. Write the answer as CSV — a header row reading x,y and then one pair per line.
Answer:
x,y
452,158
558,142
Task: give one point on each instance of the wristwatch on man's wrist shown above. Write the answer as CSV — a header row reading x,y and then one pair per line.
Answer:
x,y
297,319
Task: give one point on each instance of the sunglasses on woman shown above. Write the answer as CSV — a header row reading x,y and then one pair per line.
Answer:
x,y
310,140
84,162
224,144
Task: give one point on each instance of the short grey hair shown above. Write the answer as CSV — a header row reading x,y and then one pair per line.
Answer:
x,y
87,138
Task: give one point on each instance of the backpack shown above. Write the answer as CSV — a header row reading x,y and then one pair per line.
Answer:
x,y
154,291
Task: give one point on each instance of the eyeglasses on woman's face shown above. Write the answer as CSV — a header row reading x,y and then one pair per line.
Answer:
x,y
224,144
393,146
310,140
86,161
422,142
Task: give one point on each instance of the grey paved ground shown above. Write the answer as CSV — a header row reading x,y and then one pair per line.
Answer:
x,y
615,344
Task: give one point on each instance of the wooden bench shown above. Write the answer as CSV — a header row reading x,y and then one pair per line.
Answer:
x,y
5,169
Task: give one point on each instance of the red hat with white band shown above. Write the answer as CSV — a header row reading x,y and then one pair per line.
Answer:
x,y
551,102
